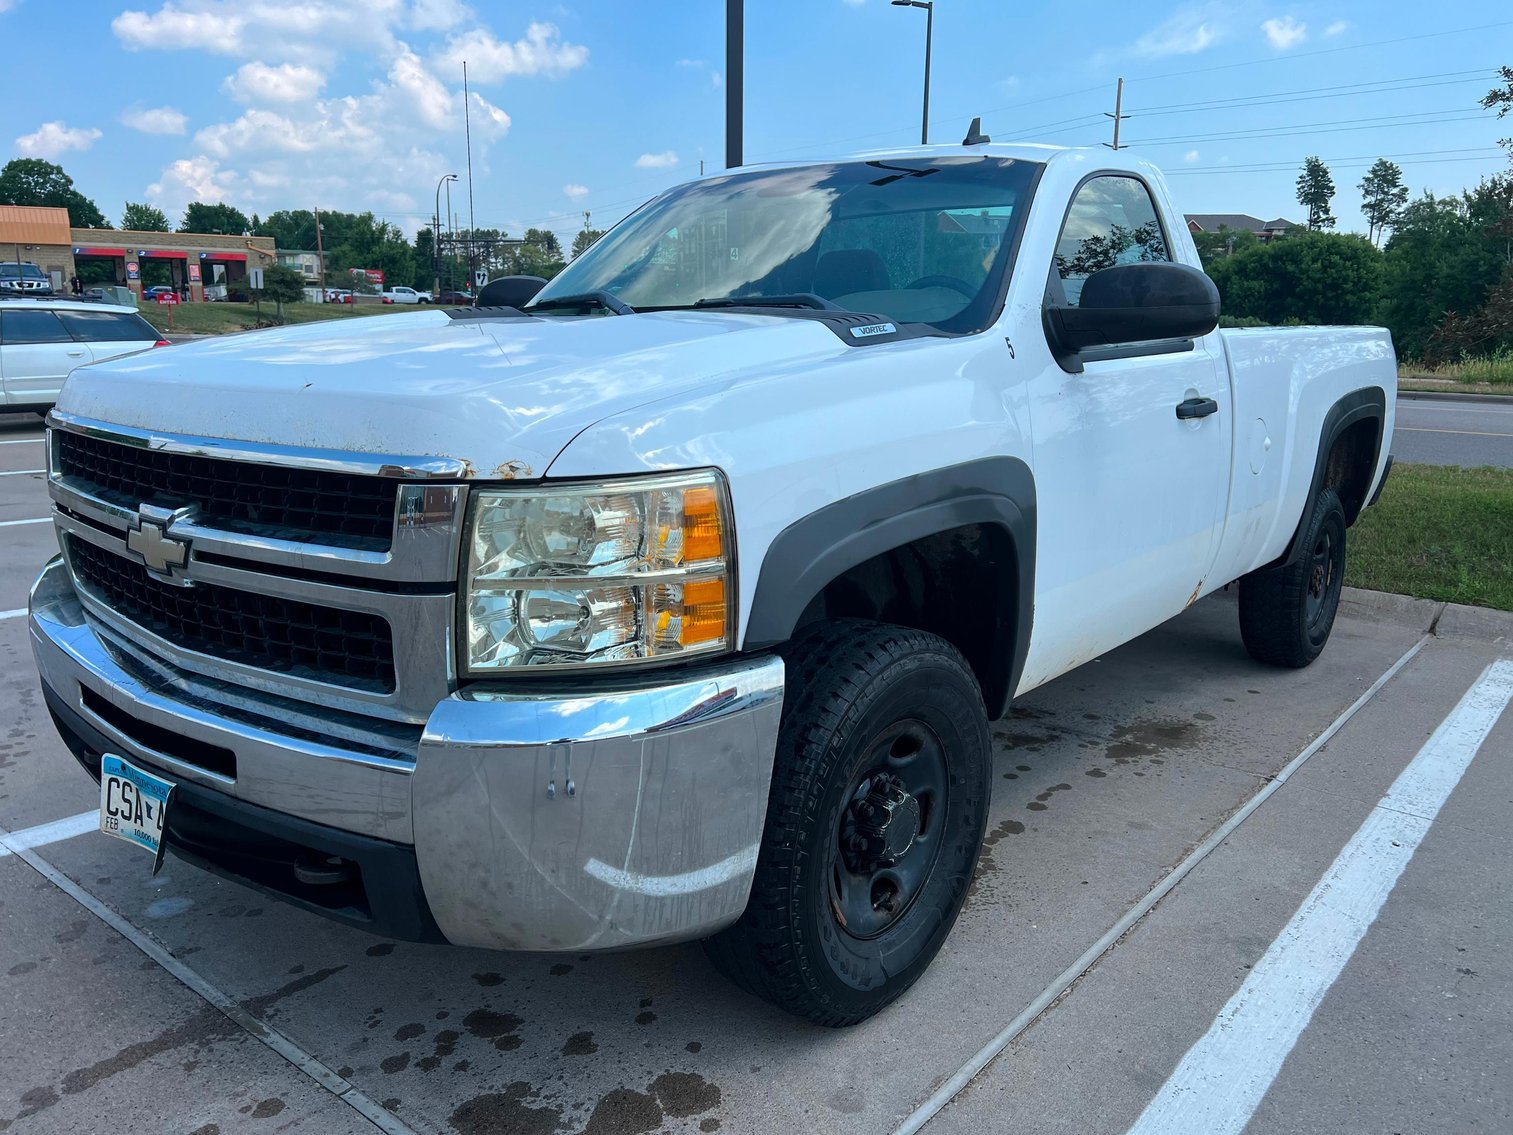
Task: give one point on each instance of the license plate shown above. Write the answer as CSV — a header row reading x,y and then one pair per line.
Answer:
x,y
133,805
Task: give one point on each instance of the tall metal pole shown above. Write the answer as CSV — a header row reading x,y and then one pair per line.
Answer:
x,y
735,52
924,126
451,239
467,119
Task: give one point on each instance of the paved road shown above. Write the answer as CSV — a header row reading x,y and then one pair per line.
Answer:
x,y
1105,781
1444,431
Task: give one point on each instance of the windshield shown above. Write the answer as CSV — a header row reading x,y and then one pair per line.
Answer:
x,y
12,270
916,241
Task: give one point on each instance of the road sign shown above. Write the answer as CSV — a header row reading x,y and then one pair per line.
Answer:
x,y
168,298
255,279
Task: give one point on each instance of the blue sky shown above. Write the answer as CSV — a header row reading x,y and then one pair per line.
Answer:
x,y
595,105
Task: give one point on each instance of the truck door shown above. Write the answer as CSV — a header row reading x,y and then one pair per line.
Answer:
x,y
1130,497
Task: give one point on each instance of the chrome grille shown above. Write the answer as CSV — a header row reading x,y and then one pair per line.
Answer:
x,y
341,620
351,647
334,508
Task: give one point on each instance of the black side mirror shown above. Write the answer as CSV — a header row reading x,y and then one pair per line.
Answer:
x,y
1136,303
509,291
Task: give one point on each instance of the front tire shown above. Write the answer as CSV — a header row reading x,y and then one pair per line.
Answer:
x,y
879,798
1287,612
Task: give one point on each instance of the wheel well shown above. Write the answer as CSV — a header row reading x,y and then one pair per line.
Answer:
x,y
961,584
1352,460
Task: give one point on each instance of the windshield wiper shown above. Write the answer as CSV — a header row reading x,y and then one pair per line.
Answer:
x,y
796,299
607,300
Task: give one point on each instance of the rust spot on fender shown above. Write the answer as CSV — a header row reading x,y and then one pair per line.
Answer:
x,y
1193,598
512,470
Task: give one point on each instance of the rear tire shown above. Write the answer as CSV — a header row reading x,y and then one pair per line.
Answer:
x,y
879,798
1287,612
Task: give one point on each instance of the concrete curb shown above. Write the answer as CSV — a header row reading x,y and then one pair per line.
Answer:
x,y
1450,396
1443,620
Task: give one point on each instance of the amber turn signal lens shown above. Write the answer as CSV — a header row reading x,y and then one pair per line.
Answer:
x,y
703,612
702,538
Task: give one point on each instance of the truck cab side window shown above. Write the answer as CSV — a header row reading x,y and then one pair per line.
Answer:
x,y
1112,221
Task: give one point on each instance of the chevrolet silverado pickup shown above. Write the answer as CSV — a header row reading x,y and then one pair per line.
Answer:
x,y
675,602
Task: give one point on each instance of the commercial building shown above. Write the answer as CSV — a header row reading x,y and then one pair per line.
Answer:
x,y
199,266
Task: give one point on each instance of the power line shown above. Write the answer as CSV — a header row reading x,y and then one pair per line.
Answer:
x,y
1289,167
1264,167
1426,118
1270,100
1416,38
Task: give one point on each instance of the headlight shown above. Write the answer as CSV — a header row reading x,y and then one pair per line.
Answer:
x,y
625,571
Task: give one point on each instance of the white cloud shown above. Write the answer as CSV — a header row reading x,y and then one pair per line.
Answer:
x,y
52,139
1186,31
575,191
373,151
665,160
192,179
310,30
1337,28
155,119
1008,84
287,82
1284,32
437,15
6,6
541,52
700,65
853,3
1190,156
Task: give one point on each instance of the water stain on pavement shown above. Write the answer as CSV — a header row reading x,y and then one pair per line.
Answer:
x,y
496,1112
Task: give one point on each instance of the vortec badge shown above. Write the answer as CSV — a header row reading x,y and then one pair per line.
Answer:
x,y
872,329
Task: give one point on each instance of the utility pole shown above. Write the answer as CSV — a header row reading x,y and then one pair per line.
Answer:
x,y
735,82
1118,116
467,120
320,256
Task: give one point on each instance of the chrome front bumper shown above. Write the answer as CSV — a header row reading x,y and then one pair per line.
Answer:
x,y
570,817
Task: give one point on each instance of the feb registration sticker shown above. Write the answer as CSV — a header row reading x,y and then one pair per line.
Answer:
x,y
133,805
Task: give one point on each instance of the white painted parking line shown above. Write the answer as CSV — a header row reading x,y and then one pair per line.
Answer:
x,y
1065,979
38,520
22,472
16,614
1222,1079
312,1067
44,834
1463,433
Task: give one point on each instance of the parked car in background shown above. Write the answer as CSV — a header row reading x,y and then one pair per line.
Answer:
x,y
337,295
455,298
404,295
23,278
151,294
41,342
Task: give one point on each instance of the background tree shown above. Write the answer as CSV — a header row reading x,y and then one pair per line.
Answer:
x,y
281,285
32,181
1315,189
1383,196
1501,98
363,241
585,240
144,218
201,217
540,255
1308,278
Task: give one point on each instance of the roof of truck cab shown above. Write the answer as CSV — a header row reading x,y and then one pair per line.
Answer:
x,y
1019,151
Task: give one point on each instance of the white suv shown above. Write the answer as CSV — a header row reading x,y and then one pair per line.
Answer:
x,y
42,340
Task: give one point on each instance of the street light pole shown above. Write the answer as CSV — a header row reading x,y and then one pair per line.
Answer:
x,y
436,231
929,7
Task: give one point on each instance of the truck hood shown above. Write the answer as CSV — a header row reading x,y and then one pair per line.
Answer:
x,y
504,396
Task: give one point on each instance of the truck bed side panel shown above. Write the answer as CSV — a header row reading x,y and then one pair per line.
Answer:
x,y
1285,381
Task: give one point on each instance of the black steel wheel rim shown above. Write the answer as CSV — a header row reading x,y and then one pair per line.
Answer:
x,y
1323,577
888,835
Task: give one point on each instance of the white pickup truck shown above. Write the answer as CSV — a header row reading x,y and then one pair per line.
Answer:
x,y
677,604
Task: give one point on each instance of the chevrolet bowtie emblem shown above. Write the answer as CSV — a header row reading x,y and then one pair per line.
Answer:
x,y
159,551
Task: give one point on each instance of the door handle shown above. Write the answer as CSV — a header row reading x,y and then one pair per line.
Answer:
x,y
76,354
1197,408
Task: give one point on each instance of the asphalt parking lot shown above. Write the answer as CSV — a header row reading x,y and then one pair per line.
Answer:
x,y
1177,926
